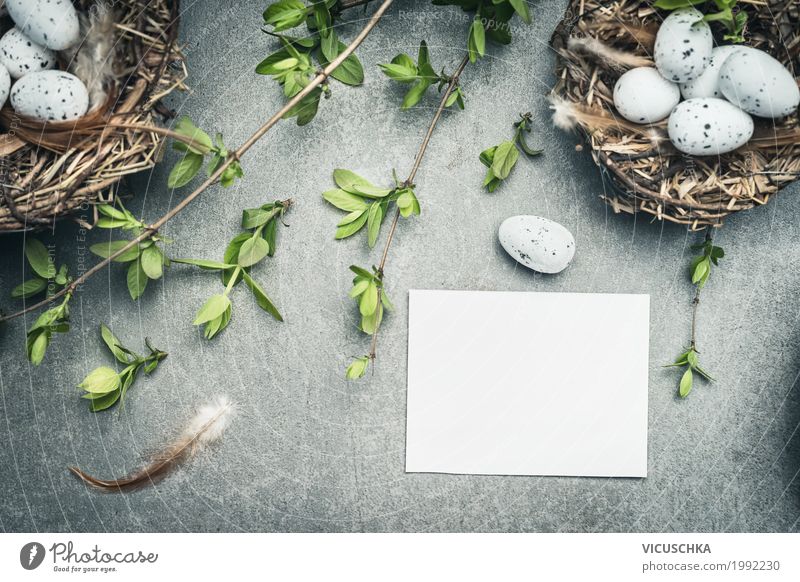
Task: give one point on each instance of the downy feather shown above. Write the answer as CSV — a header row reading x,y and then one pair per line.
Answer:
x,y
206,427
93,60
611,57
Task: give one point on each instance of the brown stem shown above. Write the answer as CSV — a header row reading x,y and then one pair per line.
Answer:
x,y
695,303
410,181
212,179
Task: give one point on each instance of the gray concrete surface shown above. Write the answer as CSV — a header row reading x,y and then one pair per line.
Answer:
x,y
311,452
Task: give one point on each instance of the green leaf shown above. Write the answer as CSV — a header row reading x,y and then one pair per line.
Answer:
x,y
105,401
686,383
100,381
213,308
114,345
29,288
186,169
505,157
361,272
285,14
347,180
357,368
476,42
369,300
374,220
204,264
137,279
414,95
487,156
152,262
371,191
37,342
39,258
231,255
402,69
521,8
350,72
255,217
700,272
263,301
106,249
201,141
370,323
359,286
345,200
252,251
217,324
350,229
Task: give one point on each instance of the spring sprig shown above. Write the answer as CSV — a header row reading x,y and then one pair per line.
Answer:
x,y
501,159
700,271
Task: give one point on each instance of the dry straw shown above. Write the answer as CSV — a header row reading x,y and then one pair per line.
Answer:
x,y
597,41
50,170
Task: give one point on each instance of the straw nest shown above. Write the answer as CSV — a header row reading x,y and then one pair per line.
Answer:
x,y
596,42
49,170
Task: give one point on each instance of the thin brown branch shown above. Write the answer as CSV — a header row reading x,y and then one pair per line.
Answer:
x,y
451,86
212,179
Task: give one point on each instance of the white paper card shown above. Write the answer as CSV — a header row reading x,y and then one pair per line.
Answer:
x,y
527,383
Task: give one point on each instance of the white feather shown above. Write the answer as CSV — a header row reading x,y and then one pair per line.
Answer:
x,y
210,422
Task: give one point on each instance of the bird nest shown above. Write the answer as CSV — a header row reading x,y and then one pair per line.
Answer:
x,y
49,170
595,42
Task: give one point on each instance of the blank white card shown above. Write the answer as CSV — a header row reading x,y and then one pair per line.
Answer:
x,y
527,383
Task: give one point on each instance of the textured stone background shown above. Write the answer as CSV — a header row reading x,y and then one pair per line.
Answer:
x,y
311,452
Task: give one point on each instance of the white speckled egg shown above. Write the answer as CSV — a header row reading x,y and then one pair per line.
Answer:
x,y
707,84
21,55
5,84
642,95
51,23
50,96
759,84
538,243
683,46
707,127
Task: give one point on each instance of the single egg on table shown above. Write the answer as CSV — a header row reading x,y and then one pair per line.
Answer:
x,y
759,84
50,23
683,45
50,96
642,95
21,55
537,243
707,126
707,84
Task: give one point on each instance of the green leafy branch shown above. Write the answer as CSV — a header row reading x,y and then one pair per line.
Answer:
x,y
421,75
700,271
196,148
245,250
49,280
734,21
146,260
492,18
105,386
367,204
293,66
501,159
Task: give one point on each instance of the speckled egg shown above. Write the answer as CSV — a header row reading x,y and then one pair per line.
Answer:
x,y
642,95
5,84
707,84
50,23
538,243
708,127
50,96
21,55
683,46
759,84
